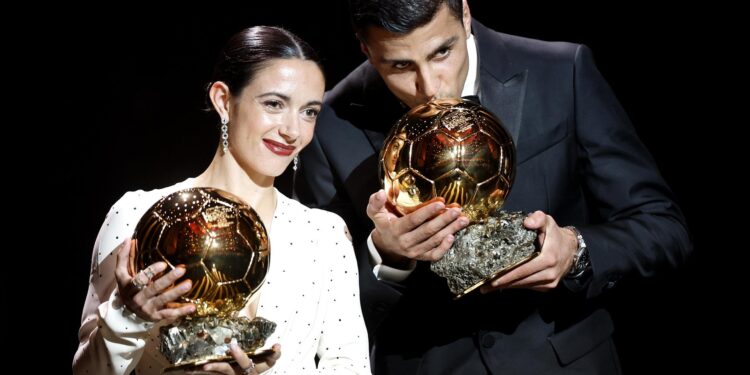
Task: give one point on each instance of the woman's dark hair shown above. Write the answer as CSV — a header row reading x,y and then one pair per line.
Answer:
x,y
397,16
250,50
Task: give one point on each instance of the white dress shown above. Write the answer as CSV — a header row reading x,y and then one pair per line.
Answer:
x,y
311,292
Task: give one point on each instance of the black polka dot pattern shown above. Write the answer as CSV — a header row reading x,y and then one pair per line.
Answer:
x,y
310,292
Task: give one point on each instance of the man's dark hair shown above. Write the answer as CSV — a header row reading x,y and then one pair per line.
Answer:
x,y
397,16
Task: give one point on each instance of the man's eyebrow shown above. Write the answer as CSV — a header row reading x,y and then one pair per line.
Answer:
x,y
394,61
447,44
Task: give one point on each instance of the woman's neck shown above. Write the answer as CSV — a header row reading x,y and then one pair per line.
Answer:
x,y
257,191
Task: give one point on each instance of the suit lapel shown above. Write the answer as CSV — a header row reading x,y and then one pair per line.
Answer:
x,y
505,100
381,111
502,85
376,139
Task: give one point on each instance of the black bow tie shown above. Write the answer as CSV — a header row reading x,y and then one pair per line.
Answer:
x,y
472,98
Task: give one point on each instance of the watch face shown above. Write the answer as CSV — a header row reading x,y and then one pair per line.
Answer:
x,y
581,261
582,264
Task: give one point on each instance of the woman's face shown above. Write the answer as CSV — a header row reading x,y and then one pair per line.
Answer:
x,y
274,116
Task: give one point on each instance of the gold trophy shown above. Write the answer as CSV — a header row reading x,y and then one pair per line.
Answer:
x,y
457,151
224,248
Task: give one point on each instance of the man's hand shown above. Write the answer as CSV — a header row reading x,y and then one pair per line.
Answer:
x,y
425,234
545,271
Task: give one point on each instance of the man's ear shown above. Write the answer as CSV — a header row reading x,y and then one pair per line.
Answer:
x,y
363,46
467,18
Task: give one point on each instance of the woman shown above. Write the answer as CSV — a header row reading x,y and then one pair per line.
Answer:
x,y
267,92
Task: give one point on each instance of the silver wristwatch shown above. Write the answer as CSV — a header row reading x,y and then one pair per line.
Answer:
x,y
581,261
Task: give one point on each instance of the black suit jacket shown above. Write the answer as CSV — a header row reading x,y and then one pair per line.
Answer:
x,y
578,159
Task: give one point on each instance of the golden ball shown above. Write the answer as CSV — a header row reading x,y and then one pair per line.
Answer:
x,y
450,149
218,239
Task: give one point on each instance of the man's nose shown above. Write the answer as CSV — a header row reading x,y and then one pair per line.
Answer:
x,y
427,83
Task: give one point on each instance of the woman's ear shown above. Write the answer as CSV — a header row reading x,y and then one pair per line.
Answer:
x,y
219,95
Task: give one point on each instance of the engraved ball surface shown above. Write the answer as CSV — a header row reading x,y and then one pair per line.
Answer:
x,y
219,239
452,149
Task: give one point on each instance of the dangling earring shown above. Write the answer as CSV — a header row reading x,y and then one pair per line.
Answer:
x,y
294,176
224,135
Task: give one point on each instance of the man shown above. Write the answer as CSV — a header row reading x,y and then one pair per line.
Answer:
x,y
579,164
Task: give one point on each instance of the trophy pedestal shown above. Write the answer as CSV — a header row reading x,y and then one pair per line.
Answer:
x,y
195,341
483,251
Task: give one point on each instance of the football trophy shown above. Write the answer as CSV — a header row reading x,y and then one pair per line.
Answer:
x,y
224,248
455,150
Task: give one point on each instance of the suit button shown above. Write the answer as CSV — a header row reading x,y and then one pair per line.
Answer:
x,y
488,341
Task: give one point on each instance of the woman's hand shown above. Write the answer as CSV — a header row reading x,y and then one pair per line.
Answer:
x,y
243,364
151,300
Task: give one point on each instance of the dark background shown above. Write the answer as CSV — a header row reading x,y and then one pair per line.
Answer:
x,y
123,92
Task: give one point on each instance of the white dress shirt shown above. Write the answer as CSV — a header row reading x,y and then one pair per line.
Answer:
x,y
311,292
471,87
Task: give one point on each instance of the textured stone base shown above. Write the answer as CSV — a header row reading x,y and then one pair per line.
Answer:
x,y
483,251
196,341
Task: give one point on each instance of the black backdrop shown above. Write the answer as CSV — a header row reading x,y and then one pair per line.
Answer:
x,y
127,88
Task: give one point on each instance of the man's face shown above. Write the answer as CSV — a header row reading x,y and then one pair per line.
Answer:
x,y
431,62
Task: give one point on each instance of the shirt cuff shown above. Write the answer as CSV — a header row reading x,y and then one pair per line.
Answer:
x,y
120,320
384,272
